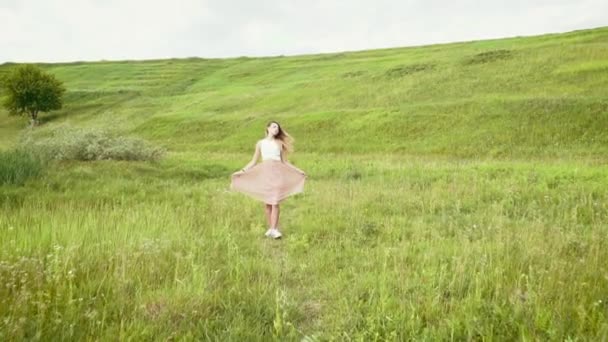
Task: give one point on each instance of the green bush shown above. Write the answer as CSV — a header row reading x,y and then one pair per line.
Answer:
x,y
17,166
65,142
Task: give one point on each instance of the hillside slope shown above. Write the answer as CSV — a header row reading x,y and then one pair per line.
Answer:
x,y
542,96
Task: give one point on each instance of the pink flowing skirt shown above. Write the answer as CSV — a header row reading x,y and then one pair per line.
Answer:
x,y
270,181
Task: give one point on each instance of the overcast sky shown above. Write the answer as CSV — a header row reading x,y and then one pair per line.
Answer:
x,y
90,30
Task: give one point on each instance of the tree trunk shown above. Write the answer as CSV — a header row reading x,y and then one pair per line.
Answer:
x,y
34,119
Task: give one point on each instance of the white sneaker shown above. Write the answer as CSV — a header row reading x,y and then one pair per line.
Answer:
x,y
268,232
275,234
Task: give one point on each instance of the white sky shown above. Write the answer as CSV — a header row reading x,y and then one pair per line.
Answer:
x,y
90,30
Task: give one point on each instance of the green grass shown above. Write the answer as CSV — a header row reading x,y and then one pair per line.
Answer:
x,y
455,192
16,167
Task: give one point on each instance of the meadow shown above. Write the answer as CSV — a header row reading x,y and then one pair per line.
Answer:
x,y
455,192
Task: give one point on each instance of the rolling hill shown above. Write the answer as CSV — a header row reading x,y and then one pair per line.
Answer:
x,y
541,96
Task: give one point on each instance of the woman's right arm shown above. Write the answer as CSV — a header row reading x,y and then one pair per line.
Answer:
x,y
254,159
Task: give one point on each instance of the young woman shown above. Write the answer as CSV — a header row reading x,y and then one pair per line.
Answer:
x,y
272,180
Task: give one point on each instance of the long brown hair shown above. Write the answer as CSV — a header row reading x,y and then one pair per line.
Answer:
x,y
284,137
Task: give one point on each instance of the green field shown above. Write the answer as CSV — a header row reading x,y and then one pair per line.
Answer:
x,y
455,192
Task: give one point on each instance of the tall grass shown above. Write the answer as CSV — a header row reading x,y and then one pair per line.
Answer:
x,y
409,248
17,166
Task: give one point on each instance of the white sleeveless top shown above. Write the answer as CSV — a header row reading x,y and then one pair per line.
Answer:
x,y
270,149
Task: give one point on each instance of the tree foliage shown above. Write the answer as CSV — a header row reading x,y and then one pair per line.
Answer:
x,y
31,90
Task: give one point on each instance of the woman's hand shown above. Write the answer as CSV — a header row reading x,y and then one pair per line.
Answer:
x,y
299,171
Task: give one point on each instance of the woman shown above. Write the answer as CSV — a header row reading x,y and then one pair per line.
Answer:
x,y
272,180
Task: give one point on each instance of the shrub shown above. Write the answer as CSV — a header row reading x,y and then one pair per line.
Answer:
x,y
65,142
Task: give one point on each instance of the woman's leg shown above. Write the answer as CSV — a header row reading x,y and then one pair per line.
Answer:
x,y
268,211
274,216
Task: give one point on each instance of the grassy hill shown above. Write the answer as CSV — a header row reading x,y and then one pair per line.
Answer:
x,y
532,97
455,192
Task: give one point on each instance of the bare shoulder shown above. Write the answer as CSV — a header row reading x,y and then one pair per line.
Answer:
x,y
258,145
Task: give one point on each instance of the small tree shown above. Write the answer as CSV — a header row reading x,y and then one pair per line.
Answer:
x,y
31,90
